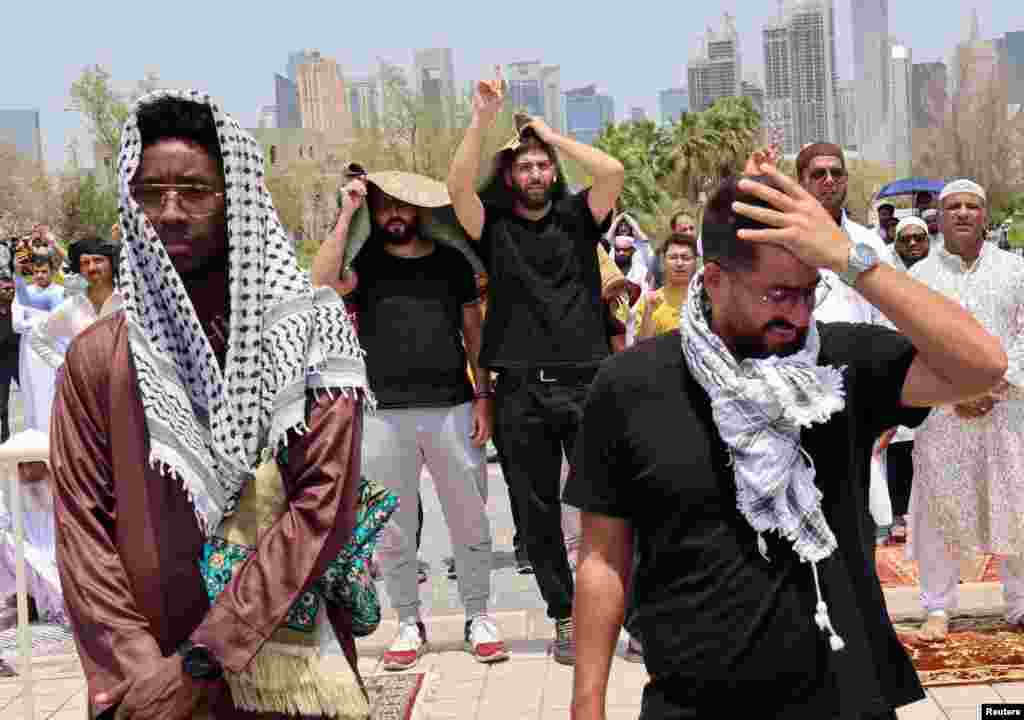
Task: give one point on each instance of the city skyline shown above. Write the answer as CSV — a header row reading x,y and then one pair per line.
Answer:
x,y
238,66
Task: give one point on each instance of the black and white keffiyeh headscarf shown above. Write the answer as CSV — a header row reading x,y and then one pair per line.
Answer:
x,y
759,407
208,428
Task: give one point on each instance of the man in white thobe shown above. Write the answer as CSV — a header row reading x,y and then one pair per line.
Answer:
x,y
969,459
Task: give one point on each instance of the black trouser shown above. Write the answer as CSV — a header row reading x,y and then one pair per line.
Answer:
x,y
516,534
7,374
900,475
535,422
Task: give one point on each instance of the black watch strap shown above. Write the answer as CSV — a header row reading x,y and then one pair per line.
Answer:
x,y
198,662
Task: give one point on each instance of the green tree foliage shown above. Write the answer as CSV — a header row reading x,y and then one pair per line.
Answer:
x,y
104,111
90,207
643,149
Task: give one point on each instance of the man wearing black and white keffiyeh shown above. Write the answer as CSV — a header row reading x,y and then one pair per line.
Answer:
x,y
223,357
733,456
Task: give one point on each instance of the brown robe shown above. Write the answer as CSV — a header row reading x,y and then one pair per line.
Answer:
x,y
129,544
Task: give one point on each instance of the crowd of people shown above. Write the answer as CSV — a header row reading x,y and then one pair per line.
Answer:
x,y
736,414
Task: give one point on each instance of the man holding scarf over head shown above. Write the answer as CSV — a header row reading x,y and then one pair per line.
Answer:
x,y
226,384
755,579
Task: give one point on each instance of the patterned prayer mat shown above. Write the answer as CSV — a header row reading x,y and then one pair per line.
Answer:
x,y
393,696
894,570
47,640
978,651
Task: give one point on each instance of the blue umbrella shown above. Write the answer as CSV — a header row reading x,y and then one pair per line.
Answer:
x,y
911,186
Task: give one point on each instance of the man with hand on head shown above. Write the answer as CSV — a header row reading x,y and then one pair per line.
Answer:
x,y
420,319
546,329
755,575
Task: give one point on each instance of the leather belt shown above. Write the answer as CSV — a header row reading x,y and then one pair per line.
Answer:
x,y
553,376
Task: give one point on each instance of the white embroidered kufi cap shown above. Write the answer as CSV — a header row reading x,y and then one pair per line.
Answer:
x,y
911,221
963,186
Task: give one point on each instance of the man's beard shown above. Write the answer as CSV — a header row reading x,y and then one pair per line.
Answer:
x,y
534,202
399,236
756,346
625,262
836,203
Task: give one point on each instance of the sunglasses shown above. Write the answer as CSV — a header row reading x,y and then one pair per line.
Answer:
x,y
818,174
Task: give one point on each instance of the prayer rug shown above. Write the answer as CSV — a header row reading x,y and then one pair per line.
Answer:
x,y
894,570
393,696
979,650
47,640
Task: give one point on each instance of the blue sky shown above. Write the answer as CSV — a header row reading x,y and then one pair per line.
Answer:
x,y
232,49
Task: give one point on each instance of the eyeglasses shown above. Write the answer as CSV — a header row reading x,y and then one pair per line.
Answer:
x,y
194,200
527,168
788,298
836,173
911,238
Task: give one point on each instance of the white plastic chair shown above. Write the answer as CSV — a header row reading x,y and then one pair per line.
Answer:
x,y
26,446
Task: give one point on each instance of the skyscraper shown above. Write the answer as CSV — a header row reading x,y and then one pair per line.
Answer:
x,y
286,99
1011,63
20,128
778,113
716,70
672,103
871,58
435,80
800,69
323,103
750,89
846,115
813,70
364,102
294,60
928,94
537,90
900,109
587,113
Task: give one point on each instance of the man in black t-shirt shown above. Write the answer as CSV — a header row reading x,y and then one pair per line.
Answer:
x,y
734,454
419,321
545,332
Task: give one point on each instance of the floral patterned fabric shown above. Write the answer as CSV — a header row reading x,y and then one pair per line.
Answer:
x,y
346,582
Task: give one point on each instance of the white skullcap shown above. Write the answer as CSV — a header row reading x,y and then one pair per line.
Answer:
x,y
929,213
963,186
911,221
624,241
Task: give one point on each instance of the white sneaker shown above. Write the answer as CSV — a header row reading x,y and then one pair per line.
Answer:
x,y
409,645
483,640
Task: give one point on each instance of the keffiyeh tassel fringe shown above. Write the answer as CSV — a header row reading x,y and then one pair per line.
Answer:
x,y
280,680
821,615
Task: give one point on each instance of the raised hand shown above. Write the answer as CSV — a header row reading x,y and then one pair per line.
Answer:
x,y
796,221
352,196
489,98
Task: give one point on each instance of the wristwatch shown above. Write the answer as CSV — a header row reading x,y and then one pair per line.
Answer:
x,y
862,258
198,662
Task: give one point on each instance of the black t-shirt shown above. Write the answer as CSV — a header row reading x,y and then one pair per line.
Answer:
x,y
8,339
410,325
712,613
544,305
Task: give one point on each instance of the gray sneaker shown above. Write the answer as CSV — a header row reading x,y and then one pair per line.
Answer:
x,y
563,649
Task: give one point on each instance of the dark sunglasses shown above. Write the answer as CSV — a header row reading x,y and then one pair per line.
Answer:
x,y
818,174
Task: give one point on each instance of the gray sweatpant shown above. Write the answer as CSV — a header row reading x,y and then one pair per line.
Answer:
x,y
396,443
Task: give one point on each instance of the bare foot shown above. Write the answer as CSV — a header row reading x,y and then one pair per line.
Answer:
x,y
935,629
